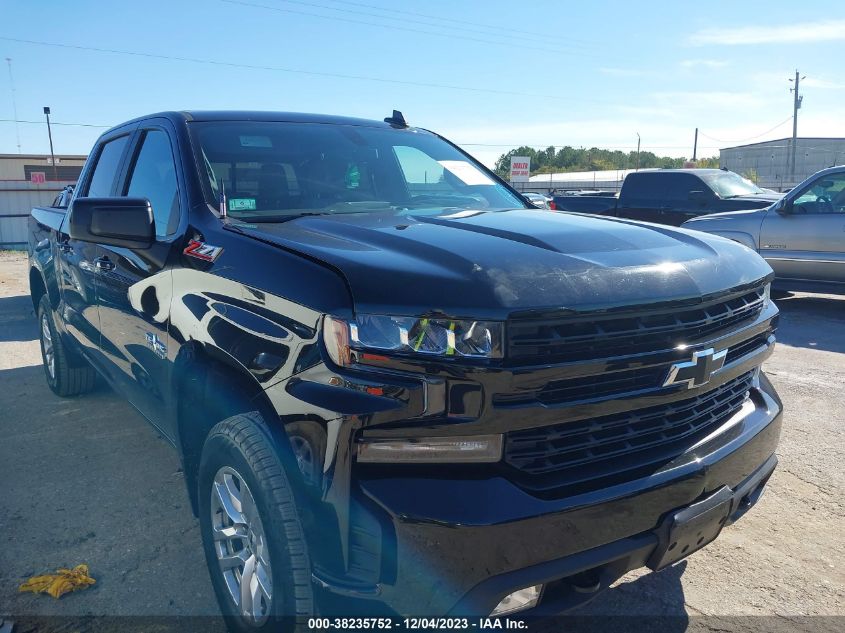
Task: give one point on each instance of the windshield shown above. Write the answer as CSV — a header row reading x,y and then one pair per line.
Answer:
x,y
271,171
728,184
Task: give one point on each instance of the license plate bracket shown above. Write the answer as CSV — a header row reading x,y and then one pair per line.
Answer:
x,y
692,528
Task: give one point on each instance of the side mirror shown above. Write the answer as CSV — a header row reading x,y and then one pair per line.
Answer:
x,y
698,196
125,222
784,207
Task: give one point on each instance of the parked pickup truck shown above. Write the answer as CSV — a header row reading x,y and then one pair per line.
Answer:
x,y
673,196
390,382
802,236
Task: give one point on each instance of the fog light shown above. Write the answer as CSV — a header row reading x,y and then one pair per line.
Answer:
x,y
519,601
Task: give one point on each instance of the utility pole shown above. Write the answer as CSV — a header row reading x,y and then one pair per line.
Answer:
x,y
695,146
795,106
14,103
50,135
638,151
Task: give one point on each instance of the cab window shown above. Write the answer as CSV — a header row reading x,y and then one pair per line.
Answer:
x,y
826,195
108,162
154,177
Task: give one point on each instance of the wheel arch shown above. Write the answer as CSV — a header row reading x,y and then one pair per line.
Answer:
x,y
211,386
37,288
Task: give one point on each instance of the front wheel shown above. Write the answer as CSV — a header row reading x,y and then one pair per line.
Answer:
x,y
251,529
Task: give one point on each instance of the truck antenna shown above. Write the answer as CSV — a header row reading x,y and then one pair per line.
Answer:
x,y
397,120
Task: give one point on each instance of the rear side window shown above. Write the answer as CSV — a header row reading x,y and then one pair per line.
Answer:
x,y
666,187
639,187
154,178
102,180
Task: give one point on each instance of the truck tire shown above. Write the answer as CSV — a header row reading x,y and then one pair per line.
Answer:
x,y
62,378
251,529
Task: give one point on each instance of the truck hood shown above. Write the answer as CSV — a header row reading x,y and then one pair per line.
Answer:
x,y
730,223
491,264
759,199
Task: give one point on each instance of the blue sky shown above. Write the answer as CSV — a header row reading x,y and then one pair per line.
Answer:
x,y
489,75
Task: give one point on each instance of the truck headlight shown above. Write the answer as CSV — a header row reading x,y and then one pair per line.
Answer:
x,y
412,336
767,295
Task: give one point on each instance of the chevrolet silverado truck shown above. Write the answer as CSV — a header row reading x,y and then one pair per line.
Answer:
x,y
673,196
802,237
393,386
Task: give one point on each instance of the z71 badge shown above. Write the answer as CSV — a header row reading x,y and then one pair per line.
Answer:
x,y
203,251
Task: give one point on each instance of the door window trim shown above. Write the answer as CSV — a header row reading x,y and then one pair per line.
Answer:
x,y
86,185
136,145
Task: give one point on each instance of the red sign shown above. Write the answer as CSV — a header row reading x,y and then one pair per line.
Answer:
x,y
38,177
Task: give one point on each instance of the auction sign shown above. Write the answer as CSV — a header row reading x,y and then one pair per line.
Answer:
x,y
520,168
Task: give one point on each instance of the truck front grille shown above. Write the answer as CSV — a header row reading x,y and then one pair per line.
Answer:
x,y
574,338
585,455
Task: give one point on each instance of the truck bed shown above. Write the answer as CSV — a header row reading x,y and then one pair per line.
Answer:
x,y
600,205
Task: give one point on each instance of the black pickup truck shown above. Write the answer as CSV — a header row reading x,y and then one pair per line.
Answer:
x,y
673,196
393,385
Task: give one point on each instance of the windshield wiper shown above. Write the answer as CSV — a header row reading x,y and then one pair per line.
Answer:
x,y
272,219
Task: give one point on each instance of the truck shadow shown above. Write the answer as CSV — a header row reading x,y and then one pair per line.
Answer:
x,y
17,319
812,321
653,602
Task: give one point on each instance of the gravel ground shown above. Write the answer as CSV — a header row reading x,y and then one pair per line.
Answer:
x,y
87,480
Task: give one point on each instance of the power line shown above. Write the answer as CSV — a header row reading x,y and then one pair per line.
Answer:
x,y
503,30
54,123
197,60
750,138
510,43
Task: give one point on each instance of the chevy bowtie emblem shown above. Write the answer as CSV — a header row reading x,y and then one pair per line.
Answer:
x,y
698,371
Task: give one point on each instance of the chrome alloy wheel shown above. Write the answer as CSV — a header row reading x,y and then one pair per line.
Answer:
x,y
241,546
47,345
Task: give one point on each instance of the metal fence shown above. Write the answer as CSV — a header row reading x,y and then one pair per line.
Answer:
x,y
17,197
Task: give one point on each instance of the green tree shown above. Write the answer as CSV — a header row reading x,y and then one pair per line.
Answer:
x,y
568,158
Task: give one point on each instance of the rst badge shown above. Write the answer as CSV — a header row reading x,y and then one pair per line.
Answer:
x,y
203,251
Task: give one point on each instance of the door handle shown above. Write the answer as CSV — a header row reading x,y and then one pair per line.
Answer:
x,y
104,264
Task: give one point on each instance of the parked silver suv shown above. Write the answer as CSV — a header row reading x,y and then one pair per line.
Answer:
x,y
802,236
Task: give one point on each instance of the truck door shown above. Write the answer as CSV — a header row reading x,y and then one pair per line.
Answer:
x,y
807,239
135,286
78,270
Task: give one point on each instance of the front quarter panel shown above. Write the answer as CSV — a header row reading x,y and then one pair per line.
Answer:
x,y
742,227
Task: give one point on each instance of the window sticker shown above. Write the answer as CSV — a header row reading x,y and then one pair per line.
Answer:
x,y
255,141
467,173
242,204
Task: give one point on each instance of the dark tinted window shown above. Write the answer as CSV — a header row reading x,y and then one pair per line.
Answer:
x,y
669,188
105,170
154,178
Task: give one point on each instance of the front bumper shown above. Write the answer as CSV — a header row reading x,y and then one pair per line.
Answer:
x,y
459,545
